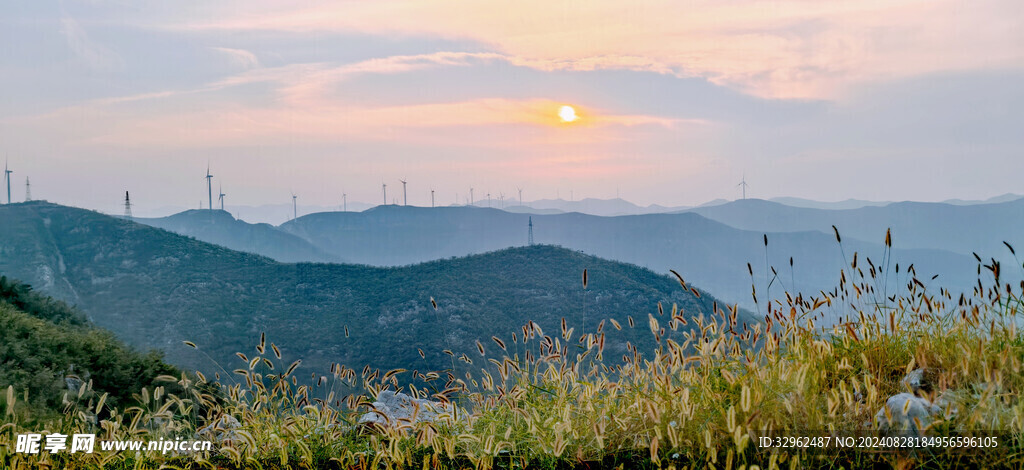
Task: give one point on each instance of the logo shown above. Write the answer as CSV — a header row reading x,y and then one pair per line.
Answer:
x,y
33,443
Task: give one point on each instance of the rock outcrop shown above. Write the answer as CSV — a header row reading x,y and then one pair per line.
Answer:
x,y
910,413
221,431
392,408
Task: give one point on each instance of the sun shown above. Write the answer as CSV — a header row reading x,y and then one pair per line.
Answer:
x,y
567,114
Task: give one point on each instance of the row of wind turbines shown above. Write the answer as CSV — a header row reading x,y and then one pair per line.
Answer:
x,y
344,196
471,201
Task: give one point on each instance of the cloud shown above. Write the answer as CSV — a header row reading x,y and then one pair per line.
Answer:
x,y
309,82
782,49
667,91
331,122
85,49
239,57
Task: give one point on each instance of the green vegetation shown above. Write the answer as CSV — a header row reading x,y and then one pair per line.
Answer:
x,y
47,350
156,289
557,399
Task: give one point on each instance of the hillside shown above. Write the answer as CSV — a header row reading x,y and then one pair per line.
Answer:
x,y
156,289
220,228
708,253
48,349
939,226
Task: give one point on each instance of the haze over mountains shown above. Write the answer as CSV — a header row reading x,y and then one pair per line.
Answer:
x,y
858,203
154,288
963,229
708,253
220,228
214,282
273,214
277,214
712,254
592,206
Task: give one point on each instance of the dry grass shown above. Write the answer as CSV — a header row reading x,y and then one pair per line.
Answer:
x,y
700,399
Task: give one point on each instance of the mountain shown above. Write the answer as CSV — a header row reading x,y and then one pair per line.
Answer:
x,y
1008,197
273,214
963,229
154,288
812,204
277,214
708,253
859,203
713,202
219,227
592,206
48,349
531,210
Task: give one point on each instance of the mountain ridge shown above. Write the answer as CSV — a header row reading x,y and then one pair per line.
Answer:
x,y
709,253
157,289
925,225
221,228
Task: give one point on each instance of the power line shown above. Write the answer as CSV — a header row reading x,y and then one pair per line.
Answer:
x,y
127,206
530,239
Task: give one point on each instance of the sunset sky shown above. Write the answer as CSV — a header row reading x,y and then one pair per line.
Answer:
x,y
675,100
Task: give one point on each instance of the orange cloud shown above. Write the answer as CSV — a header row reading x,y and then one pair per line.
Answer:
x,y
795,48
135,121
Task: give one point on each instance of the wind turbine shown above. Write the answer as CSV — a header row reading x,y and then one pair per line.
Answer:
x,y
7,178
209,185
488,199
501,197
471,201
743,184
344,202
520,195
405,197
385,187
221,196
431,198
295,207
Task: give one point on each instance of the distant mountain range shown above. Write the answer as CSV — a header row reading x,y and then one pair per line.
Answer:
x,y
154,288
859,203
937,237
273,214
220,228
812,204
963,229
711,253
602,207
1008,197
277,214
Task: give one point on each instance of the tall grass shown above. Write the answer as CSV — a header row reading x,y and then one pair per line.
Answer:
x,y
817,364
